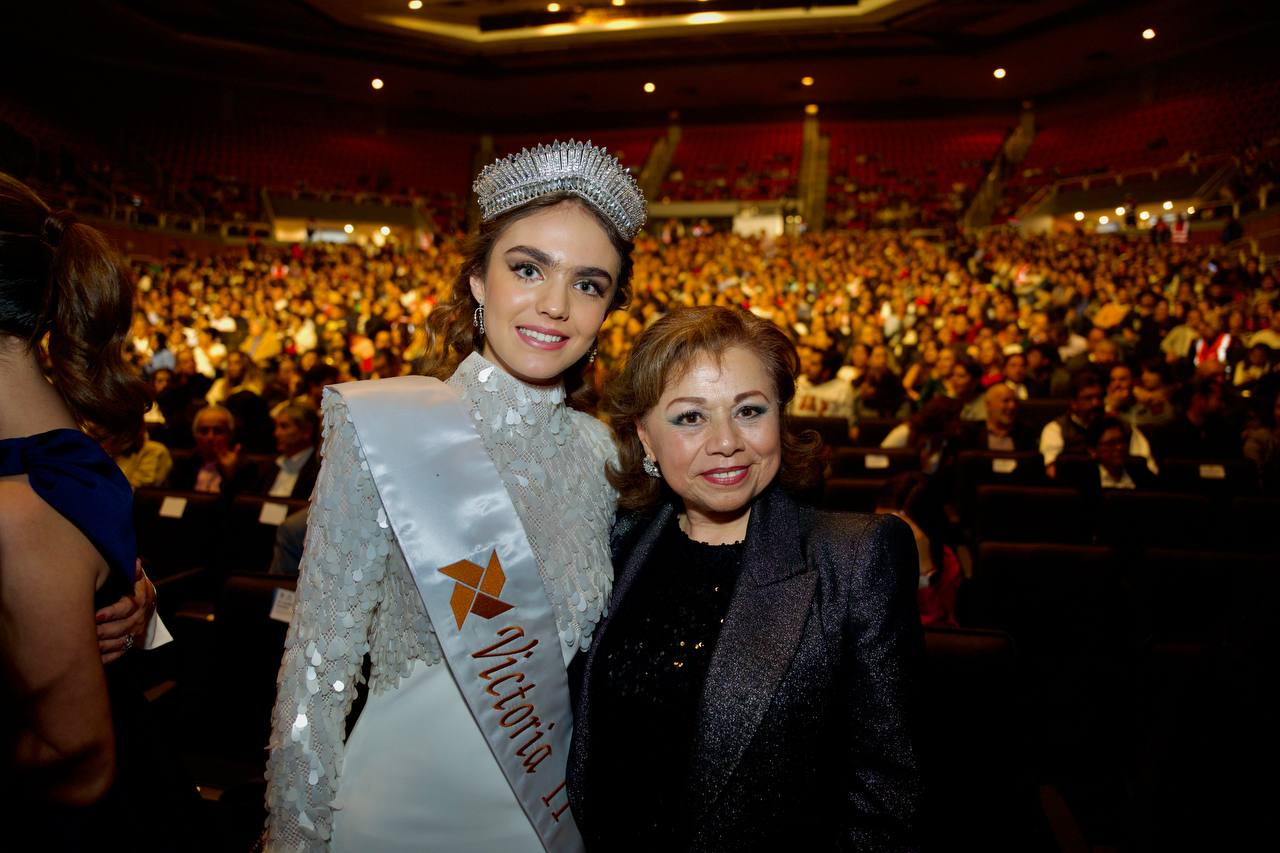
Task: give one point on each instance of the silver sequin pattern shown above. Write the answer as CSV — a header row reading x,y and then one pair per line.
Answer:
x,y
356,595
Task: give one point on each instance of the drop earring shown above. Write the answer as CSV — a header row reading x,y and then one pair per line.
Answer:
x,y
477,319
651,468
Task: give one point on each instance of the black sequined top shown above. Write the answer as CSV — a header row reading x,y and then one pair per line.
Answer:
x,y
653,659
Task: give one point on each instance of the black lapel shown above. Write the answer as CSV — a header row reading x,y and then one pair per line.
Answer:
x,y
634,546
766,619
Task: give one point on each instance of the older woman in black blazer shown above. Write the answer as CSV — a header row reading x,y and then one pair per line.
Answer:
x,y
750,688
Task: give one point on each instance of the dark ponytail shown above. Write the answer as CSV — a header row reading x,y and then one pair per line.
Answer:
x,y
61,279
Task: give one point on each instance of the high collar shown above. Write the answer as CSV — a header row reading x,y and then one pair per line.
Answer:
x,y
510,406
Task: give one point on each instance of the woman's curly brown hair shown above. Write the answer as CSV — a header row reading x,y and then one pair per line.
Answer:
x,y
661,355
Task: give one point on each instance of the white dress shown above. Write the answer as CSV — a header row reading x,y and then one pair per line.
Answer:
x,y
416,774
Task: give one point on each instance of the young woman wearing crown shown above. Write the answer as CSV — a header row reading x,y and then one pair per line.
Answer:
x,y
459,537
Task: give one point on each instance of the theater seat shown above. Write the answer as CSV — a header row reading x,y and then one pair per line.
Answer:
x,y
1216,477
1255,524
872,431
177,530
834,431
1133,519
979,789
252,522
851,495
873,462
1030,514
1072,614
247,648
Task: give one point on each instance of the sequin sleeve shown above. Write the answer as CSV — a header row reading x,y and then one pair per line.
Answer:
x,y
355,596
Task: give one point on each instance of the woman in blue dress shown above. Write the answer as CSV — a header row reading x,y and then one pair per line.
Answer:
x,y
66,533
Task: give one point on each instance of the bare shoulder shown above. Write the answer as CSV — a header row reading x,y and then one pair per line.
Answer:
x,y
31,528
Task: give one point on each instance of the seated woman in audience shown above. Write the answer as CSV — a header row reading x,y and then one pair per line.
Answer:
x,y
933,432
915,499
76,734
920,368
1262,441
771,648
145,463
935,383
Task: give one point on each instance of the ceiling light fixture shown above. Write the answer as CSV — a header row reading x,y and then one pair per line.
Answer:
x,y
386,232
1144,216
1120,211
999,73
376,83
650,88
806,80
415,5
553,7
1103,220
811,109
348,228
1191,210
619,2
1148,34
1168,205
1079,216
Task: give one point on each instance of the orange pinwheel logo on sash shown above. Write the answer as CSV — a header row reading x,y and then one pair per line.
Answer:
x,y
477,589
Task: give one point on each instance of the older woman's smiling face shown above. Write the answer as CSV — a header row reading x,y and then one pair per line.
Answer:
x,y
716,434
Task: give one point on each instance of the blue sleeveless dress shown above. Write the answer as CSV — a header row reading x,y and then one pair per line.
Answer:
x,y
74,475
152,805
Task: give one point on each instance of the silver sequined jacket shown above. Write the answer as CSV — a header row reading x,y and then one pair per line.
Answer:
x,y
356,596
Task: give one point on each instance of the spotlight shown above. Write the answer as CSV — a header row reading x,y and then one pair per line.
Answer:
x,y
1103,220
1079,215
1168,205
1120,211
806,81
376,83
1144,216
999,73
1191,210
650,88
386,232
348,228
415,5
553,7
1148,34
811,109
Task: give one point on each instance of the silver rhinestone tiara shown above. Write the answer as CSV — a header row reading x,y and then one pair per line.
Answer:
x,y
580,168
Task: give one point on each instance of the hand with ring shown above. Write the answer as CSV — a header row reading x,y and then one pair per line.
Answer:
x,y
123,625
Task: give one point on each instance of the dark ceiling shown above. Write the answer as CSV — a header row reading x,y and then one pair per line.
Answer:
x,y
470,64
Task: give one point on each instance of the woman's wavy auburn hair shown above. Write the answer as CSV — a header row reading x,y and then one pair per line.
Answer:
x,y
661,355
66,294
451,334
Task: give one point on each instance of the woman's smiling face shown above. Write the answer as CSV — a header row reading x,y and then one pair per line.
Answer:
x,y
549,283
716,434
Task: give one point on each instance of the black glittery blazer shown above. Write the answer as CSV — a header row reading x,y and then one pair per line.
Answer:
x,y
804,737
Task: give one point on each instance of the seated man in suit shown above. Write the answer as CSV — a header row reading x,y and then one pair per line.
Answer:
x,y
217,465
293,473
1000,430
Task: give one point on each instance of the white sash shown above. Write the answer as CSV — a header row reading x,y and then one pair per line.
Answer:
x,y
479,579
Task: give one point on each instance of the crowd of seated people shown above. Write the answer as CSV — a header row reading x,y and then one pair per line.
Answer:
x,y
1175,341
